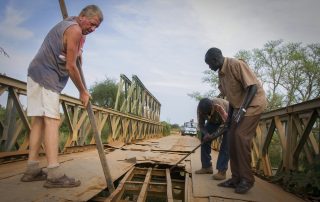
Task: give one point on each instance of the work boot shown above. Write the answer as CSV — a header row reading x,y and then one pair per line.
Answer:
x,y
208,170
220,175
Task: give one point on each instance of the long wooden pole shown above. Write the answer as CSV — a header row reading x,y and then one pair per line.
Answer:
x,y
96,132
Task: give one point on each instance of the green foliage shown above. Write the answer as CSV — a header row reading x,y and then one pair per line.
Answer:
x,y
196,95
275,100
212,79
106,130
305,183
175,126
275,151
63,139
104,93
166,128
288,71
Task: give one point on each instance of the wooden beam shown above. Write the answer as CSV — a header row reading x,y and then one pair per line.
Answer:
x,y
144,190
169,186
115,196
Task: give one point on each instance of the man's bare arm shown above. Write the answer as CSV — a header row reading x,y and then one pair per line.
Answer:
x,y
72,37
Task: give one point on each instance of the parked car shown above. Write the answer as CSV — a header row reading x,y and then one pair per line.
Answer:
x,y
189,128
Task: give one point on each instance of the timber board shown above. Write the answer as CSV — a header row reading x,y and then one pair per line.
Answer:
x,y
86,166
204,186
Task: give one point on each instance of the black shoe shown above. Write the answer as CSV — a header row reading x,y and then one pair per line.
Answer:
x,y
230,183
243,187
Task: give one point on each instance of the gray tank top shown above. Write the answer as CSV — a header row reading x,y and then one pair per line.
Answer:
x,y
47,68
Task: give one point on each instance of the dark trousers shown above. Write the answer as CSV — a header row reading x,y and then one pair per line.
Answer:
x,y
240,144
223,157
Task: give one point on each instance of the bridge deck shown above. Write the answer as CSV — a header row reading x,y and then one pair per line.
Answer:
x,y
86,166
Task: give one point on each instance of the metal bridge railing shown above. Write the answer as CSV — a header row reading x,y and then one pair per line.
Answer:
x,y
297,129
287,139
15,126
137,99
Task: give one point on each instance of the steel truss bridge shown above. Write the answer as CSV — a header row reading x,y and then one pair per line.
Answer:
x,y
137,117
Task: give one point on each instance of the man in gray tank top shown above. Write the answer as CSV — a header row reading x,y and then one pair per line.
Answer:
x,y
48,74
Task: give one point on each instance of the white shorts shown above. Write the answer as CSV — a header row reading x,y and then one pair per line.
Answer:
x,y
41,101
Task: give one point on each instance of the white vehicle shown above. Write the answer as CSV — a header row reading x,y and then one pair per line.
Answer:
x,y
189,128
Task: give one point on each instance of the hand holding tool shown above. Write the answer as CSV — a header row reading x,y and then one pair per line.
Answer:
x,y
214,136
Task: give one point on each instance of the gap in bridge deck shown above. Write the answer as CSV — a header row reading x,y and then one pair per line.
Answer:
x,y
149,182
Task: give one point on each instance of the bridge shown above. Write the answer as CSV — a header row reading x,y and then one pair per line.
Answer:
x,y
140,154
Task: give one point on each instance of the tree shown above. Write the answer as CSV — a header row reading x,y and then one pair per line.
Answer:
x,y
288,71
166,128
273,59
310,62
212,79
104,93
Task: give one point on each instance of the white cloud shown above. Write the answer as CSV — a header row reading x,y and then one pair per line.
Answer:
x,y
11,27
163,42
245,24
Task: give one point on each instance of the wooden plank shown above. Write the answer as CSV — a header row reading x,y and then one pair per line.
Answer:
x,y
143,193
13,153
116,144
169,186
203,186
218,199
84,166
118,192
187,190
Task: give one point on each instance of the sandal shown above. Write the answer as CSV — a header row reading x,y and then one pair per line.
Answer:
x,y
62,182
27,177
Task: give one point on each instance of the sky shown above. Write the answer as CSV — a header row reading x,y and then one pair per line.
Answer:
x,y
163,42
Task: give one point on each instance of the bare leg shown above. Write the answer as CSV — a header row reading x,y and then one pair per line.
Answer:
x,y
37,126
51,140
33,171
56,177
